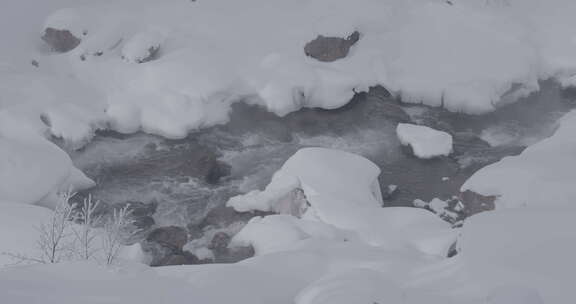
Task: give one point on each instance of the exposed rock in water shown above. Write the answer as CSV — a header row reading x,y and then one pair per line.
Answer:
x,y
172,237
223,216
569,93
60,41
328,49
185,258
165,244
476,203
219,242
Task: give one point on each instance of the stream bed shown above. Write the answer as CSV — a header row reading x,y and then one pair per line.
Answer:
x,y
187,182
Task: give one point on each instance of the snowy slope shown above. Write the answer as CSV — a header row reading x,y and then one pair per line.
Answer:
x,y
543,175
463,57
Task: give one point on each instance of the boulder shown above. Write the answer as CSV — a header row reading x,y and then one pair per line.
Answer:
x,y
328,49
476,203
185,258
60,41
172,237
220,242
164,246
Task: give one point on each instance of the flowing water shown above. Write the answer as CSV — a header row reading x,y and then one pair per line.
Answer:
x,y
190,180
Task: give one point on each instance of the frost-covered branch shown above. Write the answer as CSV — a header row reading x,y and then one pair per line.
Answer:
x,y
54,241
85,234
114,229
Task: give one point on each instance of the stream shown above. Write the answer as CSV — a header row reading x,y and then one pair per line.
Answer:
x,y
187,182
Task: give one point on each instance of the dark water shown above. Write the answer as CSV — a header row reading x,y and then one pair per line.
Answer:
x,y
190,177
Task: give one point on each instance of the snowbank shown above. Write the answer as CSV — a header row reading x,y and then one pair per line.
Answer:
x,y
425,142
425,51
281,232
19,230
531,248
543,175
34,172
342,190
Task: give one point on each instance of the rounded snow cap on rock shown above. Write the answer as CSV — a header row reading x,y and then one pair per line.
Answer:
x,y
69,19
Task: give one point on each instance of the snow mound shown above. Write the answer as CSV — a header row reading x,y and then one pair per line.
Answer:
x,y
355,286
142,47
342,190
423,51
425,142
532,248
542,175
19,230
281,232
34,172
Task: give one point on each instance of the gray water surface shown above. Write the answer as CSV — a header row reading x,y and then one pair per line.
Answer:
x,y
189,178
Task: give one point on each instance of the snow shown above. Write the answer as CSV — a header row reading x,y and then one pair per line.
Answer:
x,y
532,248
140,46
281,232
331,242
35,171
424,51
343,191
541,175
425,142
19,224
356,286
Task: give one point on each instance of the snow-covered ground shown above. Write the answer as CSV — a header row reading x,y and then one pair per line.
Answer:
x,y
543,175
175,66
463,56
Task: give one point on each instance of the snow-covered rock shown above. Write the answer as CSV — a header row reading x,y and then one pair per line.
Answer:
x,y
423,51
35,171
318,172
329,49
342,190
60,40
142,47
425,142
281,232
543,175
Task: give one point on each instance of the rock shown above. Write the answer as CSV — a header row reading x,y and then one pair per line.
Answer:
x,y
216,171
185,258
225,216
235,254
164,245
142,47
60,41
379,92
171,237
569,92
328,49
390,192
476,203
293,203
158,254
220,242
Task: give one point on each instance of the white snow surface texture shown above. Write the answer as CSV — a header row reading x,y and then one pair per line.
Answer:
x,y
338,245
465,57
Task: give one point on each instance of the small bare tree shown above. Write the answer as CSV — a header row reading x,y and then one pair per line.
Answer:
x,y
54,241
115,230
85,233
